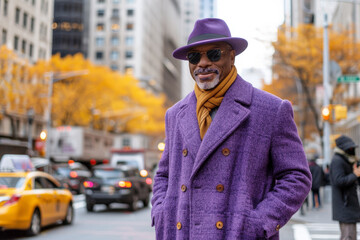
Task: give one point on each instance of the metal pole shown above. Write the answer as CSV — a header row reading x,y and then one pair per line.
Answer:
x,y
48,124
326,133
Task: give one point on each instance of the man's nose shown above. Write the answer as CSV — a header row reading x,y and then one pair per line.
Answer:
x,y
204,60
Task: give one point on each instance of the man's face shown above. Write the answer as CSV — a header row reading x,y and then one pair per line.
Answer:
x,y
206,73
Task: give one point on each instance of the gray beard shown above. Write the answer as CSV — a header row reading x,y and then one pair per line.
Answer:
x,y
208,85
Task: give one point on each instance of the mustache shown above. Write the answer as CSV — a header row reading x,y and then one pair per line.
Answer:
x,y
206,70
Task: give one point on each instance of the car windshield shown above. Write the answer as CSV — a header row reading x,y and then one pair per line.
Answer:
x,y
128,163
108,173
11,182
64,171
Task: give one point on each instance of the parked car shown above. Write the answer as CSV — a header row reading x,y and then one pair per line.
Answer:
x,y
71,175
117,184
31,200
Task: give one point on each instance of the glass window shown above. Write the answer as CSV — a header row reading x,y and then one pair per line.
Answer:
x,y
115,27
101,1
4,36
129,26
6,5
25,19
115,12
115,41
99,55
16,42
11,182
100,41
32,24
23,46
100,12
130,12
108,173
116,1
114,68
129,54
114,55
100,27
17,15
31,50
129,41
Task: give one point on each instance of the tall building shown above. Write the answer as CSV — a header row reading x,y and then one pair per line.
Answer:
x,y
25,27
70,27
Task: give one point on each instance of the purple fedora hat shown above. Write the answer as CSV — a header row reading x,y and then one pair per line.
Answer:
x,y
210,30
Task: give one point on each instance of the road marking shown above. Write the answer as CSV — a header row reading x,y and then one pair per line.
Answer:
x,y
77,205
301,232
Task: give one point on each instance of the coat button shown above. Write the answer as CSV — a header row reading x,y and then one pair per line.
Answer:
x,y
220,188
183,188
277,227
178,225
185,152
225,151
219,225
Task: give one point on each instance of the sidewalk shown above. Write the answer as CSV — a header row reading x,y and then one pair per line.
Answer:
x,y
321,215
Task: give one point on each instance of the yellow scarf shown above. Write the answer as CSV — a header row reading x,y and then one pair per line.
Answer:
x,y
209,99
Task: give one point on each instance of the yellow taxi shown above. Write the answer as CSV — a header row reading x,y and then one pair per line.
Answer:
x,y
31,200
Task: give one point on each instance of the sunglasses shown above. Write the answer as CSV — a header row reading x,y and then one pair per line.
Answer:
x,y
213,55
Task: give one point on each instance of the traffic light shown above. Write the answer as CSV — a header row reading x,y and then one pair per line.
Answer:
x,y
340,112
326,113
43,135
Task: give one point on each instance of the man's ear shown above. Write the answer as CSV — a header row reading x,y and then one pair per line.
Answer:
x,y
232,56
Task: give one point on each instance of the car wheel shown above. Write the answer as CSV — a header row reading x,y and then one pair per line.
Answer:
x,y
35,225
134,202
89,207
146,201
69,215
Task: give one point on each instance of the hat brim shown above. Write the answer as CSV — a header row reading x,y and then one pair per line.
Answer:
x,y
238,44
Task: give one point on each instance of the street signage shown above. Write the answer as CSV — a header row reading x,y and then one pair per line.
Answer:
x,y
348,79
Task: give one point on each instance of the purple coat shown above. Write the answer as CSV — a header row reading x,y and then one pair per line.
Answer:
x,y
246,178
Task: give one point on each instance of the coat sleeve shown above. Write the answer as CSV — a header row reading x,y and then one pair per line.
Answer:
x,y
291,172
339,177
161,178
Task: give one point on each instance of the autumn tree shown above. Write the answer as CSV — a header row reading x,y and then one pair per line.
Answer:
x,y
298,70
101,98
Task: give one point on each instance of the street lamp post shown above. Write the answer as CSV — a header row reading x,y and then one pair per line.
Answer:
x,y
30,117
53,79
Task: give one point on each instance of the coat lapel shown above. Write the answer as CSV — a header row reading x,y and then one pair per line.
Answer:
x,y
189,126
233,111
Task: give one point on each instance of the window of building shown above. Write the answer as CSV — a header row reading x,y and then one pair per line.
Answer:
x,y
126,142
115,27
23,46
101,13
114,55
17,15
4,36
5,9
100,41
101,1
32,24
129,54
130,1
99,55
129,41
115,41
31,49
129,26
25,19
115,12
114,67
100,27
33,2
130,12
16,42
116,1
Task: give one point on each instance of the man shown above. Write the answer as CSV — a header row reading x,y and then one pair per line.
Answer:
x,y
317,174
233,165
344,177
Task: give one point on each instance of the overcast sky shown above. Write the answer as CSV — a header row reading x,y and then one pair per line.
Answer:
x,y
257,22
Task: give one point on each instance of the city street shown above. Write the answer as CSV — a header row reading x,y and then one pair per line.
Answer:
x,y
120,224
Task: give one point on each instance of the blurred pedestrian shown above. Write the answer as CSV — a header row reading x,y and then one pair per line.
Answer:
x,y
344,177
233,165
317,174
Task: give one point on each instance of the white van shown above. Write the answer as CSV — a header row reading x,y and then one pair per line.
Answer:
x,y
16,162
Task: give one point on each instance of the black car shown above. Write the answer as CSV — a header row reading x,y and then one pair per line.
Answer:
x,y
117,184
72,175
